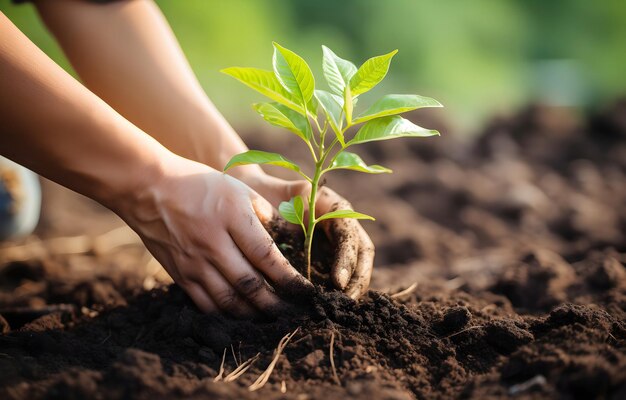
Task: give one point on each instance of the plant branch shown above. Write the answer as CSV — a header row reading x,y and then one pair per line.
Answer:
x,y
312,152
305,176
323,137
308,121
319,128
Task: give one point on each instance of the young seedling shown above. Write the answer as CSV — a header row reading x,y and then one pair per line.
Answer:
x,y
311,113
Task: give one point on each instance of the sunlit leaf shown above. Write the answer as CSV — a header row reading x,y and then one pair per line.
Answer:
x,y
392,104
261,157
293,210
389,128
337,71
293,73
266,83
331,104
347,160
279,115
370,73
344,214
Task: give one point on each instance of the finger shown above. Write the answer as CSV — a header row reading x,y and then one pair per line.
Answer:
x,y
260,249
343,233
360,281
200,297
205,285
223,294
246,280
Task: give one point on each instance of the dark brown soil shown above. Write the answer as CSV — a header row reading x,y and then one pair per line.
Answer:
x,y
516,240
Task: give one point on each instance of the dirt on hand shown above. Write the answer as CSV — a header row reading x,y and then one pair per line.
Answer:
x,y
516,240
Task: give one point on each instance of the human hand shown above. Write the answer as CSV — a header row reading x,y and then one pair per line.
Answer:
x,y
206,229
353,257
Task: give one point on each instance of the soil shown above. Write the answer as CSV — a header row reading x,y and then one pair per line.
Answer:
x,y
516,240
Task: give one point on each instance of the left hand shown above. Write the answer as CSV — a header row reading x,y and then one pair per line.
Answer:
x,y
353,260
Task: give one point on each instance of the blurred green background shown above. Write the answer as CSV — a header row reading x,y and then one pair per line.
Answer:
x,y
477,57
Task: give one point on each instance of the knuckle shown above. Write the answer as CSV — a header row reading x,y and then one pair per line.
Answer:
x,y
250,286
347,250
367,248
345,204
326,192
222,205
184,282
263,251
341,205
227,299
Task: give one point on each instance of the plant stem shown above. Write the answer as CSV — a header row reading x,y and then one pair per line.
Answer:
x,y
308,121
308,237
319,171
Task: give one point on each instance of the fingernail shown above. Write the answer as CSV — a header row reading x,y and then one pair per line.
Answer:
x,y
343,277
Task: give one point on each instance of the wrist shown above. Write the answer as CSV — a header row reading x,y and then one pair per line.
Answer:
x,y
130,181
137,190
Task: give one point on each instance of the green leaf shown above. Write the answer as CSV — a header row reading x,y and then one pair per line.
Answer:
x,y
293,210
261,157
279,115
331,104
392,104
293,73
266,83
389,128
344,214
347,160
337,71
370,73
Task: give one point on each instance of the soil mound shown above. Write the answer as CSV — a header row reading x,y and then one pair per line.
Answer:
x,y
517,242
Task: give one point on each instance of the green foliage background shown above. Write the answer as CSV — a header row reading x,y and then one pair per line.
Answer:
x,y
477,57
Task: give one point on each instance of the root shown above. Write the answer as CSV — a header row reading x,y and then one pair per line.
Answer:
x,y
264,377
220,374
404,292
243,367
232,350
464,330
106,338
332,358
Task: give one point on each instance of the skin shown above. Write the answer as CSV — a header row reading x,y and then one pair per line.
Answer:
x,y
205,227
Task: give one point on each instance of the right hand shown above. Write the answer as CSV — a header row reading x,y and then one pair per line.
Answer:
x,y
353,251
206,229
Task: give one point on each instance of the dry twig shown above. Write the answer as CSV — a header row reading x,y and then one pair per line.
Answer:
x,y
404,292
263,378
332,357
220,374
243,367
232,350
464,330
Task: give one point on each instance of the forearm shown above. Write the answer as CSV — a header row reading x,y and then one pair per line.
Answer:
x,y
56,127
126,53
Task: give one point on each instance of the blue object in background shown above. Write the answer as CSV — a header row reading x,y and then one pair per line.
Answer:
x,y
20,200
